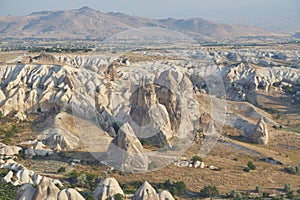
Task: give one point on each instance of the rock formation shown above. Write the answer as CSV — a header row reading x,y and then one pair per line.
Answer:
x,y
59,132
127,151
69,194
25,192
165,195
29,89
38,149
150,118
261,133
19,174
44,58
46,189
107,188
7,151
146,192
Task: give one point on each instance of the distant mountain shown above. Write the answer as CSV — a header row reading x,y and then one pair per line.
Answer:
x,y
297,35
89,23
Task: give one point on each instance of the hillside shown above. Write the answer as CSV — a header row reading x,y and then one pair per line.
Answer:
x,y
89,23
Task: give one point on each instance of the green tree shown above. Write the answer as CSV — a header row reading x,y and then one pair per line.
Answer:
x,y
258,189
73,175
235,194
265,195
168,184
119,197
209,192
287,188
251,166
246,169
180,187
81,180
290,195
61,170
197,158
176,188
21,154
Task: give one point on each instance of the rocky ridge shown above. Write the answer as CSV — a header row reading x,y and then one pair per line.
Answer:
x,y
118,97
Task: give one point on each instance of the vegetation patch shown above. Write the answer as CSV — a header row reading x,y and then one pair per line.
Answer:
x,y
7,190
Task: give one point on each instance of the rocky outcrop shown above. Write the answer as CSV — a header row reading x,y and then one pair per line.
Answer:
x,y
44,58
8,177
296,95
165,195
146,192
242,79
69,194
107,189
19,175
49,89
59,132
261,133
7,151
29,89
25,192
38,149
156,107
150,119
46,190
127,151
111,73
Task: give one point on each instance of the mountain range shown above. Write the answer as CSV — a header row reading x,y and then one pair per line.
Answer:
x,y
87,23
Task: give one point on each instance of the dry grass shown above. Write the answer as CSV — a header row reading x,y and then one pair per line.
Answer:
x,y
8,56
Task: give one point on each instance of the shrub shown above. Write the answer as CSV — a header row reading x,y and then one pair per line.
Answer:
x,y
104,174
258,189
81,180
179,187
7,191
265,195
287,187
176,188
276,84
21,154
167,184
11,133
152,165
290,195
73,175
119,197
197,158
251,166
90,177
61,170
92,181
209,192
145,142
87,195
131,187
246,169
292,169
235,194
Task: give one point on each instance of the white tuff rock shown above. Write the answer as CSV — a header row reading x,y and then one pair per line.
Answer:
x,y
107,188
146,192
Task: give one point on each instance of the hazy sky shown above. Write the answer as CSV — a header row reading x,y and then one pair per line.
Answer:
x,y
272,14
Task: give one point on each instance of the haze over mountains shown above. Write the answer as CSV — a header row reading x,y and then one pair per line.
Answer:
x,y
86,23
